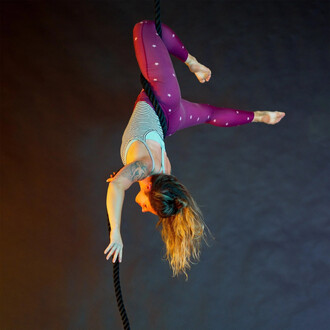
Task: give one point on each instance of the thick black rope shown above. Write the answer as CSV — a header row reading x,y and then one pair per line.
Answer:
x,y
116,283
162,119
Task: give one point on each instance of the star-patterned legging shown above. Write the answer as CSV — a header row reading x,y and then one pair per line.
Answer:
x,y
153,56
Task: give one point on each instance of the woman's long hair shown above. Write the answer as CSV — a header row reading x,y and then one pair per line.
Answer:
x,y
181,219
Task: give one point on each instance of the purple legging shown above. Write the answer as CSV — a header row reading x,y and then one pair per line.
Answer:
x,y
153,56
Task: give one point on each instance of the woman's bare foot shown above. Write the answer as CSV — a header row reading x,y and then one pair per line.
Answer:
x,y
201,71
268,117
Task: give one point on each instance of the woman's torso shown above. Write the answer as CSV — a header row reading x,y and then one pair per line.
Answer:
x,y
137,150
143,138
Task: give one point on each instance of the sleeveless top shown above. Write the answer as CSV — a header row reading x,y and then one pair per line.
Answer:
x,y
143,125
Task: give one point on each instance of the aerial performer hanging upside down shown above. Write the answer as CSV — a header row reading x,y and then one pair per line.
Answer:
x,y
143,149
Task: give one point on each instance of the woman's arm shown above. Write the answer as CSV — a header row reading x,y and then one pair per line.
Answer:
x,y
129,174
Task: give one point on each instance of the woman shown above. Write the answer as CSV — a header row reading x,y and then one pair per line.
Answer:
x,y
143,149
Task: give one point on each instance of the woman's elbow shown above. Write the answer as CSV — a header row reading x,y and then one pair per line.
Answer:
x,y
121,183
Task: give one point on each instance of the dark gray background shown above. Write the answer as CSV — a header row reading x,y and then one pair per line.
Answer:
x,y
69,81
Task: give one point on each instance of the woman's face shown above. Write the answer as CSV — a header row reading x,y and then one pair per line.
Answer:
x,y
142,199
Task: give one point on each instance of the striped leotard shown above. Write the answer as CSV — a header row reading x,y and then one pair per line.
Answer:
x,y
143,125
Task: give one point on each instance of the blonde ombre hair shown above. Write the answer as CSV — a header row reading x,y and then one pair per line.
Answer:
x,y
181,219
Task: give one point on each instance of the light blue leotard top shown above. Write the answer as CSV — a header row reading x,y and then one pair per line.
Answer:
x,y
143,125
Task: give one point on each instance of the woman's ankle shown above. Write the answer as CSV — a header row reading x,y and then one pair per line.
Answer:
x,y
257,116
190,60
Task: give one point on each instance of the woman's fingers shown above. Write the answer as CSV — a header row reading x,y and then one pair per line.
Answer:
x,y
111,177
115,247
115,256
108,248
115,250
111,252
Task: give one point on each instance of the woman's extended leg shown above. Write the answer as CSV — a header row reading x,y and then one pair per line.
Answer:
x,y
192,114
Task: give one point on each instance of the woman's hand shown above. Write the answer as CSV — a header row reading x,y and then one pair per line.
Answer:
x,y
111,177
115,247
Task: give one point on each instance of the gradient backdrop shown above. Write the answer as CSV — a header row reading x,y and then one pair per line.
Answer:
x,y
69,80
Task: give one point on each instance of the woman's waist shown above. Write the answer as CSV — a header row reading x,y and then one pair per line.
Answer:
x,y
143,97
